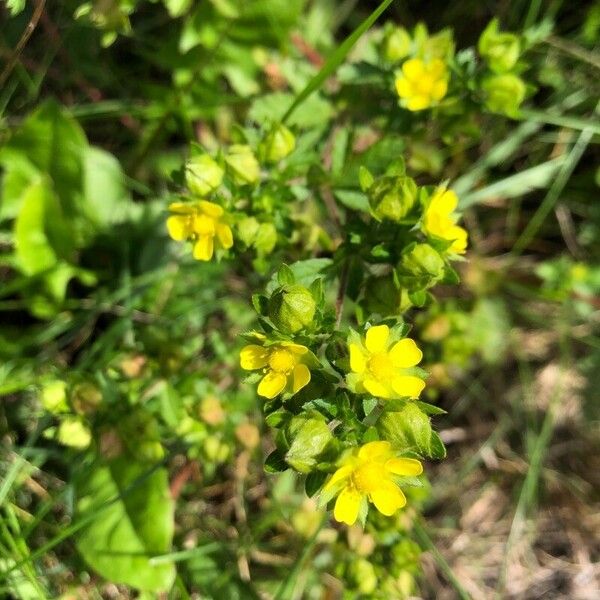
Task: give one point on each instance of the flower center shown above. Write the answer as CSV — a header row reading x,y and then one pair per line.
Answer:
x,y
282,360
368,477
381,366
204,225
424,84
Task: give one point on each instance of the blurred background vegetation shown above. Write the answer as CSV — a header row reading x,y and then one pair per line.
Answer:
x,y
116,346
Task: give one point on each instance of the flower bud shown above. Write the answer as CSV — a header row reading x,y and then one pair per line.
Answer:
x,y
203,175
392,197
500,50
74,433
54,397
278,143
423,262
85,398
291,308
247,229
396,45
242,165
266,238
503,93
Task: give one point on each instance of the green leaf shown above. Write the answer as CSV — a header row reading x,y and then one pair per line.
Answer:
x,y
104,187
42,236
314,482
55,143
334,61
353,200
314,112
137,526
285,276
15,6
309,439
275,462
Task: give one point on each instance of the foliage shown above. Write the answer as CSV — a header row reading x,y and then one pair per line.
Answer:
x,y
238,292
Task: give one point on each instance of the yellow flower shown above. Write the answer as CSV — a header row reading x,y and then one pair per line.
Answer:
x,y
282,365
382,367
440,221
200,222
370,474
422,84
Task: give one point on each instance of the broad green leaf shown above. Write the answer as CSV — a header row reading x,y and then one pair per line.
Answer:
x,y
33,247
136,527
55,143
107,199
19,174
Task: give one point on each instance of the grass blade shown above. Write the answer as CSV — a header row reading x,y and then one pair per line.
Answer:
x,y
334,61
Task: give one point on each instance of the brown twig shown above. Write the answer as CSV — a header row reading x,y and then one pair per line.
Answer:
x,y
12,61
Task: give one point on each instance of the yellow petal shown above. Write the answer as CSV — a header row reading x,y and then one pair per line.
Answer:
x,y
418,103
404,466
340,475
179,227
203,248
404,87
388,498
459,235
182,208
204,225
374,450
301,377
375,388
377,338
444,202
408,386
272,383
413,69
405,353
347,506
358,362
210,209
295,348
253,357
436,68
439,89
224,235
